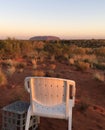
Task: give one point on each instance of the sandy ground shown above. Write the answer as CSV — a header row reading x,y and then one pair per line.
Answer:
x,y
89,110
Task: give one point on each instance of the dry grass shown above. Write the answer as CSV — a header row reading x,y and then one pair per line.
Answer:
x,y
20,65
34,63
83,66
100,66
50,73
38,73
52,57
3,79
89,58
52,66
10,70
100,51
7,63
99,76
71,61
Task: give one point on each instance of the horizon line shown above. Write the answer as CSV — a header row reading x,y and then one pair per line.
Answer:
x,y
60,37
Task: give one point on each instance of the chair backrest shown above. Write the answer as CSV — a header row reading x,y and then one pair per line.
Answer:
x,y
49,91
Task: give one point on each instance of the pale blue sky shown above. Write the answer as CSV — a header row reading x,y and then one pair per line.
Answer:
x,y
67,19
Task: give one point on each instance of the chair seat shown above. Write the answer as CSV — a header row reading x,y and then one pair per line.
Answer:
x,y
57,111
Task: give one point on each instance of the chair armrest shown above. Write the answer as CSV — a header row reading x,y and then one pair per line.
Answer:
x,y
27,84
72,91
70,95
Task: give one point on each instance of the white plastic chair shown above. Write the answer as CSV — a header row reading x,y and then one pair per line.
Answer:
x,y
50,97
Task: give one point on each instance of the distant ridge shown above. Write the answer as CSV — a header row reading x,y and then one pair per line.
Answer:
x,y
44,38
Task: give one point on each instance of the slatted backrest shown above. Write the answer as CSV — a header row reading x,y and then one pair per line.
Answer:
x,y
48,91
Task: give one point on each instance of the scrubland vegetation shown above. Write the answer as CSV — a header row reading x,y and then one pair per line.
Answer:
x,y
83,55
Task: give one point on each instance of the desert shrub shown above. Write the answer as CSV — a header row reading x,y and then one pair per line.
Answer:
x,y
52,58
34,63
42,55
83,66
61,59
49,48
43,65
10,70
20,65
66,56
54,49
31,55
58,75
80,51
49,73
89,51
100,66
34,66
76,57
100,51
7,63
52,66
3,79
71,61
89,58
41,58
99,76
72,49
86,58
38,73
39,44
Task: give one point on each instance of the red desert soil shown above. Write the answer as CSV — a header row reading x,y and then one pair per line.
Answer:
x,y
89,110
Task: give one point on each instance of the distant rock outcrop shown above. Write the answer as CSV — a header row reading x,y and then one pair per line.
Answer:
x,y
45,38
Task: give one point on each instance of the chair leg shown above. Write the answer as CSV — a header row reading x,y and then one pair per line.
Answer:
x,y
38,120
70,121
28,119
